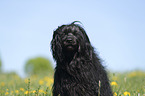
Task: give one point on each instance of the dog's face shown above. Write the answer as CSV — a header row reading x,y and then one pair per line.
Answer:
x,y
68,40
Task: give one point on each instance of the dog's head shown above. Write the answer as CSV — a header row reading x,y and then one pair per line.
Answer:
x,y
68,40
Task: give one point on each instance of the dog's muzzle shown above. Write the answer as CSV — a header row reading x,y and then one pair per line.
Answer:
x,y
70,40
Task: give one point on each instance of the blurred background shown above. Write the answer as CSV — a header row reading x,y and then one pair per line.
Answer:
x,y
115,28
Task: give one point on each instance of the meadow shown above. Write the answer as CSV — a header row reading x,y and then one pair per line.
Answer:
x,y
123,84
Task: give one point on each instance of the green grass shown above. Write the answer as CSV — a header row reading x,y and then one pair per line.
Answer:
x,y
123,84
132,83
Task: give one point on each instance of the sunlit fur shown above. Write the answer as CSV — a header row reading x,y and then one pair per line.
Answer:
x,y
78,68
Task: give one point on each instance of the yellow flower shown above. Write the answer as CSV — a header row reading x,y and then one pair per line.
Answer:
x,y
2,83
132,74
49,82
34,91
12,92
6,93
114,83
22,89
46,78
136,73
115,94
41,82
16,91
41,91
126,93
26,92
26,81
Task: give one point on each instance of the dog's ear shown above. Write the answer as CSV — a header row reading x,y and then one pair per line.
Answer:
x,y
89,51
86,50
56,47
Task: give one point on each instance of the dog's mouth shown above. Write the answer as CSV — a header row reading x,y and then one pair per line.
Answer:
x,y
70,48
70,44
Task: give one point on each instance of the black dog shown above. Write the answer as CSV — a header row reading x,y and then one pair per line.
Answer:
x,y
78,71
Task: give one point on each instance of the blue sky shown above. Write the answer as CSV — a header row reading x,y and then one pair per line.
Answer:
x,y
116,29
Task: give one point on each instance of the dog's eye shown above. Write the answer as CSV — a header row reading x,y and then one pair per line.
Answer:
x,y
65,32
75,32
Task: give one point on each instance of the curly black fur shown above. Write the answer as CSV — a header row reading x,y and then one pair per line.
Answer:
x,y
78,70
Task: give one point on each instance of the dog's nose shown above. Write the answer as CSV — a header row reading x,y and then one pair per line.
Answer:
x,y
70,34
69,40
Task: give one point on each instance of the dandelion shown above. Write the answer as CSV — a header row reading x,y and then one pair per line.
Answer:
x,y
41,82
41,91
114,94
132,74
26,92
16,91
34,91
26,81
114,84
22,89
136,73
7,93
126,93
12,92
46,78
49,82
2,83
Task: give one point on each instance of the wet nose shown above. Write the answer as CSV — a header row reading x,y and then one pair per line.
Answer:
x,y
69,40
70,34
